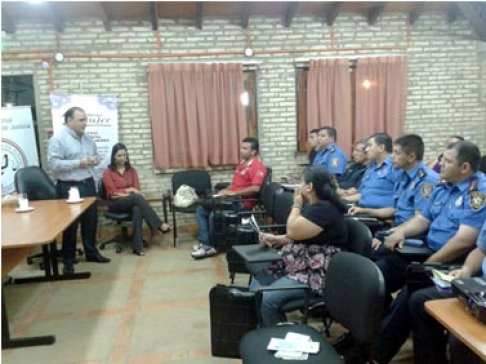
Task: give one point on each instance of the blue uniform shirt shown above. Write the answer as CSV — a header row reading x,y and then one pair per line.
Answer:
x,y
378,183
331,158
450,206
482,245
412,191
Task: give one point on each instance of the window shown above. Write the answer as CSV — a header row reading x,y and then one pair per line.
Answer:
x,y
251,97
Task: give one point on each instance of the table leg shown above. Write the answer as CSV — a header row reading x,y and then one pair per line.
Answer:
x,y
51,271
9,343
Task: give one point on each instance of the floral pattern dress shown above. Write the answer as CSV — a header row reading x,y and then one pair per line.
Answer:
x,y
307,262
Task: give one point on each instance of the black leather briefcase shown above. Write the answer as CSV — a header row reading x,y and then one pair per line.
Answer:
x,y
232,314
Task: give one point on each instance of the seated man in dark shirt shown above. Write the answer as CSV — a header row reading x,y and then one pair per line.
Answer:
x,y
351,178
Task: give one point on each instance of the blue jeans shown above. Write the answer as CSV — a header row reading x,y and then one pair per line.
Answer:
x,y
205,224
273,300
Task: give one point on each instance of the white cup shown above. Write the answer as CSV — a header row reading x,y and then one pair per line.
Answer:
x,y
74,194
23,201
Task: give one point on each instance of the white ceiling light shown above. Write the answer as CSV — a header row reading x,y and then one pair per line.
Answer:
x,y
248,52
59,57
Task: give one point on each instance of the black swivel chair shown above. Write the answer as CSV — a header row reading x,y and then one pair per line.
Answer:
x,y
36,184
200,180
120,219
354,293
359,242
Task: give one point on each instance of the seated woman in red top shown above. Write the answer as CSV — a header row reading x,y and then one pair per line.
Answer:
x,y
123,195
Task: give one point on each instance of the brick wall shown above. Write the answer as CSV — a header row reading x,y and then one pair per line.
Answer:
x,y
446,92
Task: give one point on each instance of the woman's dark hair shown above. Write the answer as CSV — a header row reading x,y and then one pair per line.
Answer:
x,y
116,148
324,185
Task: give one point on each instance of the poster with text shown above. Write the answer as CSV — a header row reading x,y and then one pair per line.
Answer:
x,y
19,146
102,126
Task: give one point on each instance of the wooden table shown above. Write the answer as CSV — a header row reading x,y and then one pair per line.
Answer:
x,y
452,314
21,233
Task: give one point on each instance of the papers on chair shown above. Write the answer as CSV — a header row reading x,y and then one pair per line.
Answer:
x,y
252,222
293,347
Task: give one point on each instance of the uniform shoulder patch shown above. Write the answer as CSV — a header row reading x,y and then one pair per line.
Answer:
x,y
427,190
477,200
335,162
332,149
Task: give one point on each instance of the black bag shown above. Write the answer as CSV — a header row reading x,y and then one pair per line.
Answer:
x,y
233,313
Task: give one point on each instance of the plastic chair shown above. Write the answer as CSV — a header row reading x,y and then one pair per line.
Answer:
x,y
200,180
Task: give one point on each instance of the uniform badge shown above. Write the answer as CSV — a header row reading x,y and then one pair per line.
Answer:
x,y
335,162
476,200
427,190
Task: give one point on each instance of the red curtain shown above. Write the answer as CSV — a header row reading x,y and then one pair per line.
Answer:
x,y
381,92
197,116
329,98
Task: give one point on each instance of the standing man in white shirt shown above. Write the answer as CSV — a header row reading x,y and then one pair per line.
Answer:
x,y
71,156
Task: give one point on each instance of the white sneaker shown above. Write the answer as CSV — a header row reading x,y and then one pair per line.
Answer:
x,y
197,246
204,252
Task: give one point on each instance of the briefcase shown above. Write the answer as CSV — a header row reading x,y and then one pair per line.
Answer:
x,y
233,313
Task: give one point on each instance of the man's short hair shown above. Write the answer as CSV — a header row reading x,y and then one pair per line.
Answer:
x,y
330,131
411,143
383,139
467,152
314,131
70,112
254,145
458,137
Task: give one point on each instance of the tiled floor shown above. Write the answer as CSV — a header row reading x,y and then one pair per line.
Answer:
x,y
151,309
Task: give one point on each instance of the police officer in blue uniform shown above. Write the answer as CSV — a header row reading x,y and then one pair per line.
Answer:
x,y
453,216
428,335
413,190
377,186
351,178
330,156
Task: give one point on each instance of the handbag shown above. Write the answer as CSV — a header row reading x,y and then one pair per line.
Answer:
x,y
185,196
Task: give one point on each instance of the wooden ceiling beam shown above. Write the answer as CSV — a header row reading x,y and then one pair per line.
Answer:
x,y
475,13
104,15
154,15
375,12
8,24
245,15
54,16
199,14
417,10
292,7
333,12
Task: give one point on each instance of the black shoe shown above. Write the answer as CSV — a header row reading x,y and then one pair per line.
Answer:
x,y
344,343
140,253
97,259
67,269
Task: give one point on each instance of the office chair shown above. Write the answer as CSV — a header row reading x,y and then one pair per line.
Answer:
x,y
354,293
118,218
36,184
359,242
200,180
